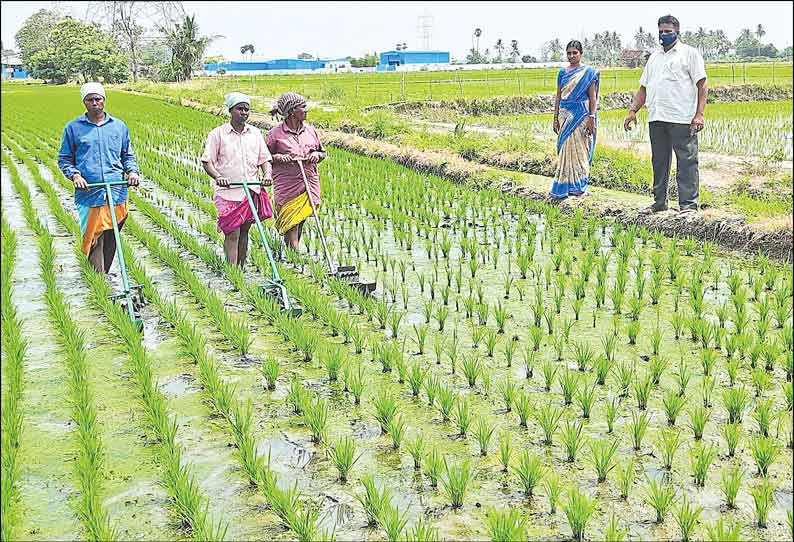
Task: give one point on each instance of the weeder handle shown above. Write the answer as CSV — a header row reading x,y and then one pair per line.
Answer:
x,y
316,218
107,183
247,183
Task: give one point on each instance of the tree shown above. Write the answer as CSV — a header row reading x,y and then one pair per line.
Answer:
x,y
35,33
515,54
760,32
477,34
187,48
554,48
500,47
528,59
131,23
79,50
248,48
367,61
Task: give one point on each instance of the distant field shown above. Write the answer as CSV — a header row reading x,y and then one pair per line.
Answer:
x,y
741,128
365,89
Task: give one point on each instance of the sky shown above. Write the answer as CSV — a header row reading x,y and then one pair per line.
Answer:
x,y
340,29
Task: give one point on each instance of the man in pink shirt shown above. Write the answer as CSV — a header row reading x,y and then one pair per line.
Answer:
x,y
235,152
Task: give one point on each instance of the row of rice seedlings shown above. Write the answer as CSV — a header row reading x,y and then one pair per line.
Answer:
x,y
231,328
189,503
14,348
90,454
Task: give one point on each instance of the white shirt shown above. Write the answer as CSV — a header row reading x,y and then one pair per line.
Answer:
x,y
669,78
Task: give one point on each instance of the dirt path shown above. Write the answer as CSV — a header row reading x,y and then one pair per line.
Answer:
x,y
717,171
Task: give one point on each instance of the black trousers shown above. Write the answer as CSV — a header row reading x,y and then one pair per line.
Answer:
x,y
666,138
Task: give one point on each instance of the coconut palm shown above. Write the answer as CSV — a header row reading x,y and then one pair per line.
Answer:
x,y
187,47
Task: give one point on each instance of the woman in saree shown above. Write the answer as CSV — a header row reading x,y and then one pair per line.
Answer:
x,y
291,141
575,122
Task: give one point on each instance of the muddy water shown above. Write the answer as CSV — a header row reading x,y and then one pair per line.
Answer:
x,y
46,489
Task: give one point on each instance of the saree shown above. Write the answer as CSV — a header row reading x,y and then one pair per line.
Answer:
x,y
574,147
96,220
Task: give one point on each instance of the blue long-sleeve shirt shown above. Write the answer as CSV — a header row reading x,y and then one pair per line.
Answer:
x,y
99,153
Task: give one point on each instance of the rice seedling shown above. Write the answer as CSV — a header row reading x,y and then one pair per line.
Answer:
x,y
490,341
708,358
343,455
736,401
463,415
701,457
761,380
668,443
642,391
698,418
624,375
396,430
420,337
611,412
423,530
602,455
375,501
686,516
505,525
730,483
549,371
683,376
270,370
584,355
569,384
529,471
762,414
613,531
508,390
455,482
602,367
763,498
572,439
483,432
722,531
764,451
385,409
446,402
632,331
638,427
660,496
578,508
315,416
416,378
331,358
626,478
552,487
586,398
471,369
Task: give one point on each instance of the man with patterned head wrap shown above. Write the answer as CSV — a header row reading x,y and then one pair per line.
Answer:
x,y
235,152
290,141
95,147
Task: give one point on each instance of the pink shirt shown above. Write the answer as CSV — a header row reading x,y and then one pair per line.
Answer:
x,y
287,178
236,156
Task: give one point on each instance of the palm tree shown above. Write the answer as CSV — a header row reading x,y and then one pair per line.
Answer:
x,y
514,52
500,47
187,47
477,34
760,32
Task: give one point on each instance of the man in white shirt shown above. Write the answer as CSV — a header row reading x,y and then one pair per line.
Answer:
x,y
673,85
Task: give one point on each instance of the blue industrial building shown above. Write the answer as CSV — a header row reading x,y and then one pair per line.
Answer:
x,y
275,65
391,59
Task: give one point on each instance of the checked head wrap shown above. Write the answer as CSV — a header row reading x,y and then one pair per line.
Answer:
x,y
287,103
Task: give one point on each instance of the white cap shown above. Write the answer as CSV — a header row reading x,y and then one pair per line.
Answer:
x,y
91,88
234,98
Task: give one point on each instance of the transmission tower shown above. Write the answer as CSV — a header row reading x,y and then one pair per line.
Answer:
x,y
424,29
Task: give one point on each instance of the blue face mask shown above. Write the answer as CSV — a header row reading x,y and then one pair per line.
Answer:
x,y
667,39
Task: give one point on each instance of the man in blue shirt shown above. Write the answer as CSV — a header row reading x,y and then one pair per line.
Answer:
x,y
95,148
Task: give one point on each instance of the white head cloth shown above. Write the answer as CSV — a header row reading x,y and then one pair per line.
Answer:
x,y
91,88
234,98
